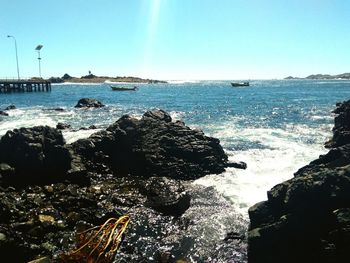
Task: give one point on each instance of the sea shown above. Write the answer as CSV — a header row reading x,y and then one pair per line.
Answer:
x,y
274,126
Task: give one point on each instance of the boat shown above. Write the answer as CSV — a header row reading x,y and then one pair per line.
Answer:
x,y
123,88
239,84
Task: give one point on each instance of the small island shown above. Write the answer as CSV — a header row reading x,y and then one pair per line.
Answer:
x,y
323,76
91,78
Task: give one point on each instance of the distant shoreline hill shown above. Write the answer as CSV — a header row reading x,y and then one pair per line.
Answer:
x,y
323,76
100,79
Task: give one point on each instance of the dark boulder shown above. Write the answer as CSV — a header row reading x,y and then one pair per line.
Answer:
x,y
35,153
11,107
341,129
156,146
297,223
166,196
54,109
238,165
2,113
89,103
62,126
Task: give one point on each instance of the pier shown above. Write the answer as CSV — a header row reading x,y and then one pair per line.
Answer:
x,y
24,85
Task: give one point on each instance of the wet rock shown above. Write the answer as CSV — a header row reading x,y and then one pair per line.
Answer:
x,y
35,153
62,126
11,107
54,109
89,103
238,165
158,146
234,236
2,113
166,196
6,170
341,129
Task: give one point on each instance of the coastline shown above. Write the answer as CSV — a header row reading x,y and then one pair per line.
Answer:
x,y
66,78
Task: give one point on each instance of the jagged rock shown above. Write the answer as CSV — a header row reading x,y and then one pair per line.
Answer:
x,y
6,170
54,109
166,196
341,130
158,146
306,219
2,113
35,153
238,165
89,103
11,107
62,126
299,214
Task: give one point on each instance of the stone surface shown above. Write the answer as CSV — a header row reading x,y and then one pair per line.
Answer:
x,y
166,196
11,107
154,146
62,126
35,153
341,130
238,165
89,103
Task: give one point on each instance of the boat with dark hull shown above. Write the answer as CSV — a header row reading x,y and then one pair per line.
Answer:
x,y
240,84
124,88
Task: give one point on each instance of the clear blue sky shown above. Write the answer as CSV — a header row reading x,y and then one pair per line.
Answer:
x,y
176,39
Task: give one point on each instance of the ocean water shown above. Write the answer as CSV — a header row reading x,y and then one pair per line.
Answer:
x,y
275,126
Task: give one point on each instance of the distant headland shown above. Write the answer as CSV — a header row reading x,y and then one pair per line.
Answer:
x,y
100,79
323,76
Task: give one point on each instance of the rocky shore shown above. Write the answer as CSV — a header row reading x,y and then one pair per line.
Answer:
x,y
343,76
307,218
50,190
91,78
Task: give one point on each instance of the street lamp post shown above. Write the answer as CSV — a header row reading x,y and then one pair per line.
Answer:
x,y
16,55
38,48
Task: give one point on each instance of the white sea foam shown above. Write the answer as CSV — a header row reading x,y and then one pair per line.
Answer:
x,y
25,118
123,82
72,136
177,115
78,84
182,81
284,152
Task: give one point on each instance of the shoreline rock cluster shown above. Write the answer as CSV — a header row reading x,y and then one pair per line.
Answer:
x,y
307,218
50,190
91,78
